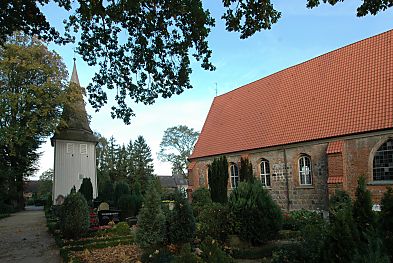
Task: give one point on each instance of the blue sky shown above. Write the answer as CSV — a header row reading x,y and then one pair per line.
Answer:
x,y
301,34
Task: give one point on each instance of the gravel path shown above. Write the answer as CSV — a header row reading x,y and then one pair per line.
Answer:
x,y
24,238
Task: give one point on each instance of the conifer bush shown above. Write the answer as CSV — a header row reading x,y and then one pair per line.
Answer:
x,y
200,198
245,172
181,221
258,217
151,220
86,190
106,194
130,205
74,220
121,188
218,179
213,221
362,208
386,219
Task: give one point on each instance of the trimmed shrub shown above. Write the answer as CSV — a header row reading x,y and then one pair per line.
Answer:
x,y
130,205
212,252
363,214
259,218
106,195
213,221
218,179
245,172
386,219
121,188
200,198
181,221
86,190
74,220
151,220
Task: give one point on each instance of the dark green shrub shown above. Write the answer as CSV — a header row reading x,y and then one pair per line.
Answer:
x,y
74,220
373,252
181,221
200,198
121,188
130,205
362,208
300,218
121,229
342,238
213,221
312,240
245,172
106,195
153,255
340,200
212,252
86,190
151,220
259,218
186,255
386,220
218,179
291,253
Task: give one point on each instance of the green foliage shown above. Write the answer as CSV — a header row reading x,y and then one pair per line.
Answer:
x,y
386,220
181,221
121,188
121,229
343,238
86,190
258,216
45,184
218,179
340,200
292,253
151,220
32,83
142,162
213,221
245,172
107,192
6,208
130,205
186,255
200,198
373,252
74,220
212,252
297,219
176,146
362,207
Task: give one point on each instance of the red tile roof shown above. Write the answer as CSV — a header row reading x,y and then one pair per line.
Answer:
x,y
335,180
346,91
335,147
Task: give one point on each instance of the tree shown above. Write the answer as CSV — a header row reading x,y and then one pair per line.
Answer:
x,y
32,83
86,190
142,163
218,179
143,48
363,214
176,146
245,172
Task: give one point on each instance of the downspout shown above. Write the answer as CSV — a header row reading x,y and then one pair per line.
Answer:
x,y
286,177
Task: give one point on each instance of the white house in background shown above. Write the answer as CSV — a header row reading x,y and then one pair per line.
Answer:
x,y
75,146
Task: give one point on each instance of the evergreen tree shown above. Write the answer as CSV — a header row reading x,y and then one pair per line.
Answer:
x,y
218,179
245,172
107,192
113,150
129,159
142,162
121,188
151,220
121,163
387,220
362,208
86,190
181,221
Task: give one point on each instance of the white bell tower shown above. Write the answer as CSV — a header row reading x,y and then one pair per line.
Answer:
x,y
75,146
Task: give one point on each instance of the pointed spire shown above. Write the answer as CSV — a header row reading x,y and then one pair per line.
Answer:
x,y
74,76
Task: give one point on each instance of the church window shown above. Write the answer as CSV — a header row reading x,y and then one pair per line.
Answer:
x,y
265,173
305,174
234,171
383,162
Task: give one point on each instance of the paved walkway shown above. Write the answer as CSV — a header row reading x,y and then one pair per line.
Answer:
x,y
24,238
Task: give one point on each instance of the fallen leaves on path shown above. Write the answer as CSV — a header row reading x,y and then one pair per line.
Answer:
x,y
117,254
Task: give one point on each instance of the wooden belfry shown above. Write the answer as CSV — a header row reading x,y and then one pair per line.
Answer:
x,y
75,145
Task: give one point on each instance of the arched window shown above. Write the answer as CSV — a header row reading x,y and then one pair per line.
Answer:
x,y
305,175
383,162
234,175
265,173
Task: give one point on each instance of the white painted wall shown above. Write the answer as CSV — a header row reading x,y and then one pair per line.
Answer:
x,y
73,161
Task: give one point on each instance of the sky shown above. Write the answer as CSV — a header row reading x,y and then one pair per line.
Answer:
x,y
301,34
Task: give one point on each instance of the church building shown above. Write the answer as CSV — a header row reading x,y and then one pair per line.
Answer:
x,y
75,146
309,129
